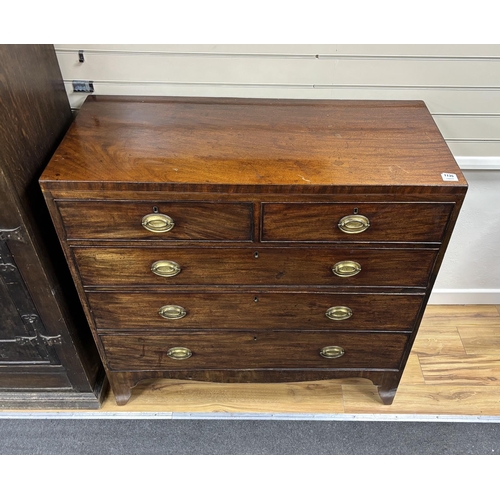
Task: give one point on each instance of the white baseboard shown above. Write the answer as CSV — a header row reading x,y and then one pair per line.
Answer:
x,y
466,296
478,162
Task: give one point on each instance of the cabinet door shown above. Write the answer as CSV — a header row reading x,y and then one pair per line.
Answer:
x,y
23,338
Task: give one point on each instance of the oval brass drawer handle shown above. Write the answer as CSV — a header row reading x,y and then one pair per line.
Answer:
x,y
165,268
158,223
332,352
179,353
354,224
172,312
346,268
338,313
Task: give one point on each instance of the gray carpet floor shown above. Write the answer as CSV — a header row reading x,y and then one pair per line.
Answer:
x,y
244,437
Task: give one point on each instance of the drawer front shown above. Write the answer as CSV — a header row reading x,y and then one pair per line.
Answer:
x,y
385,222
252,351
176,220
271,310
132,267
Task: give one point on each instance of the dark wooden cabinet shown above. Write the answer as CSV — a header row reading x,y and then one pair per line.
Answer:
x,y
47,356
246,240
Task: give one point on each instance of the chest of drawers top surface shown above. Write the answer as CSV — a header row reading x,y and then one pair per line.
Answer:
x,y
202,144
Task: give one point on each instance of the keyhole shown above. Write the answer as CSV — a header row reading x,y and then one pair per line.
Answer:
x,y
155,210
356,211
255,338
256,255
256,299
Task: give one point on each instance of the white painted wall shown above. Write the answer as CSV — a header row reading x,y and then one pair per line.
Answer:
x,y
470,272
459,83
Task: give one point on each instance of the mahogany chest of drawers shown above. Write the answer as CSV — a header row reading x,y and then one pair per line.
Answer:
x,y
253,240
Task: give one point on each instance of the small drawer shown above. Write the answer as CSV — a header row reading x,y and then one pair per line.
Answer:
x,y
244,310
361,222
254,351
172,266
166,221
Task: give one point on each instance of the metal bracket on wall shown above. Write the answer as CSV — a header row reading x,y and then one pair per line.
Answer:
x,y
83,86
81,58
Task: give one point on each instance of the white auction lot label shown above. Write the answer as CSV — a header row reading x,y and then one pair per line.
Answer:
x,y
449,177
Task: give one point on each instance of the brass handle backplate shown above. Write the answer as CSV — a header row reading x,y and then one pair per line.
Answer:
x,y
158,223
172,312
179,353
338,313
165,268
346,268
331,352
354,224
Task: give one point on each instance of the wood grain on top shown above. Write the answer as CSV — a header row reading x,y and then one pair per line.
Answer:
x,y
208,142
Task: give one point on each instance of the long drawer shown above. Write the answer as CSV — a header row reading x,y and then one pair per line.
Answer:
x,y
168,221
133,267
370,222
248,350
260,310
